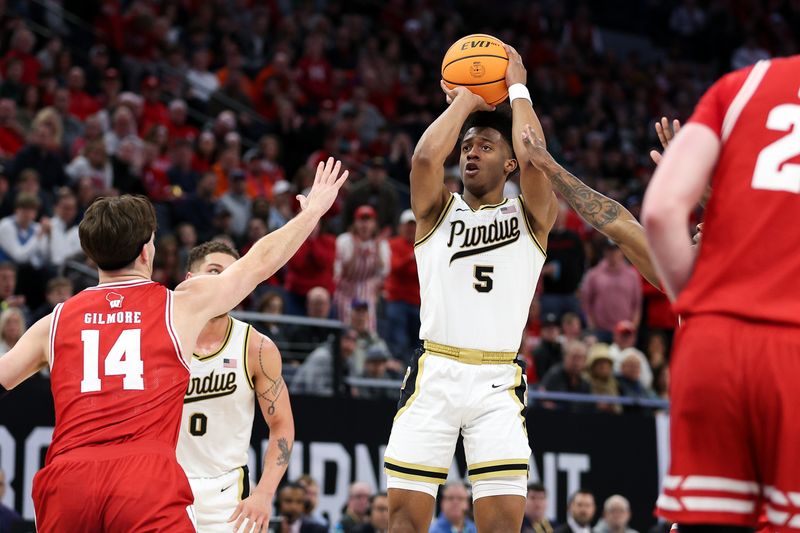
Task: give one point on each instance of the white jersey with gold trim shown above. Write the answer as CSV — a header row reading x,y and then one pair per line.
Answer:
x,y
218,408
478,271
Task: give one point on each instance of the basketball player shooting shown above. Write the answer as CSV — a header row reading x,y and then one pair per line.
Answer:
x,y
479,257
118,355
739,298
232,365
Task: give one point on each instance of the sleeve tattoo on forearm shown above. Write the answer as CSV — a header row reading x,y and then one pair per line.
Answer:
x,y
274,387
597,209
286,452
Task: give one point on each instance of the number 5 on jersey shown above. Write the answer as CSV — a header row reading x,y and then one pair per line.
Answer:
x,y
127,345
483,283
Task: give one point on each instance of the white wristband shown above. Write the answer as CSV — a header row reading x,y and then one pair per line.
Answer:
x,y
518,90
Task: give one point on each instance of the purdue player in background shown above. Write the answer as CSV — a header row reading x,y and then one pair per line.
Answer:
x,y
479,258
232,364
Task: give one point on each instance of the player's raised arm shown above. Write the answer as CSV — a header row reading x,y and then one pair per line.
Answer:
x,y
678,184
27,356
204,297
428,193
540,202
604,214
264,367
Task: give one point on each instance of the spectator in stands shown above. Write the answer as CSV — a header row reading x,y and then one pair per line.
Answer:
x,y
367,336
376,191
454,508
238,203
12,86
355,514
29,183
9,518
312,495
601,376
22,43
629,378
202,82
661,382
611,292
563,271
8,285
42,153
58,290
81,103
93,163
657,352
377,515
568,377
123,126
315,375
550,351
73,127
199,208
318,305
362,261
22,239
290,507
12,326
535,520
282,209
311,266
12,134
625,342
375,367
177,124
272,303
154,112
180,173
580,513
402,292
616,515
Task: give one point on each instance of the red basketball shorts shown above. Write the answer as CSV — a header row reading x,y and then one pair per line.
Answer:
x,y
734,424
130,487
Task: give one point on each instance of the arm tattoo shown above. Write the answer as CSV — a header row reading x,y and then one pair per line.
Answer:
x,y
275,387
286,452
598,210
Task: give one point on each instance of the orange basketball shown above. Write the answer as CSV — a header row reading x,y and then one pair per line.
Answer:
x,y
477,62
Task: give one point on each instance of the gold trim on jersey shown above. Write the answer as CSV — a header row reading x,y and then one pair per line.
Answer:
x,y
227,338
470,356
414,472
245,355
487,206
241,482
528,225
439,221
420,367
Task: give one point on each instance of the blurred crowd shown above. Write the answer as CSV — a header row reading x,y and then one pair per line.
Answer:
x,y
219,111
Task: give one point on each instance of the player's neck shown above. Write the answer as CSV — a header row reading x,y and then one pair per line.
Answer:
x,y
118,276
212,335
490,198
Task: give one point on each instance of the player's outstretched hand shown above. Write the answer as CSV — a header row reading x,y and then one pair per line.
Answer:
x,y
665,135
515,72
252,514
327,183
536,149
478,103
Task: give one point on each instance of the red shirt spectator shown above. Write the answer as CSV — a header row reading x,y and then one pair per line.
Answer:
x,y
81,103
154,113
176,122
316,73
22,44
402,283
11,138
312,265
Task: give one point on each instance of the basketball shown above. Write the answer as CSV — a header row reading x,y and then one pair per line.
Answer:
x,y
477,62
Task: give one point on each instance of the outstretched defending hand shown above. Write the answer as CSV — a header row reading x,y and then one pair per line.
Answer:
x,y
478,103
327,183
252,514
665,135
536,149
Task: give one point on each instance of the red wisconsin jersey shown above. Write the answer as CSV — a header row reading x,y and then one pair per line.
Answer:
x,y
116,370
749,260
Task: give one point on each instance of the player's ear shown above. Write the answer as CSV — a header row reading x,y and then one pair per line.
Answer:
x,y
510,166
188,275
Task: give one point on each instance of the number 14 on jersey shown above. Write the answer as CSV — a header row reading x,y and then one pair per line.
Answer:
x,y
124,359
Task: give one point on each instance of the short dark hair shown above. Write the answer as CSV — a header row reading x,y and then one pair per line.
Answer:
x,y
115,228
500,119
536,487
199,252
577,492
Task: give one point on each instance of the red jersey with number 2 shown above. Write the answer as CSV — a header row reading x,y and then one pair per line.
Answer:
x,y
116,370
749,260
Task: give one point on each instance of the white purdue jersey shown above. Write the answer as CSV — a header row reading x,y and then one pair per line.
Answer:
x,y
218,408
478,271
